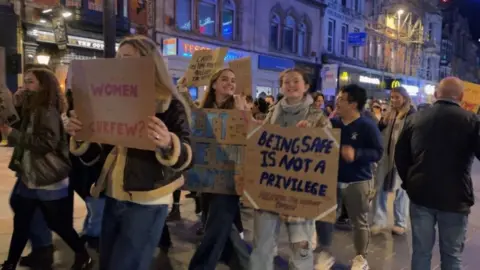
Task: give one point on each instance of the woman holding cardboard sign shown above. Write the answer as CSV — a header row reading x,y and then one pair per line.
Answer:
x,y
139,183
295,109
220,210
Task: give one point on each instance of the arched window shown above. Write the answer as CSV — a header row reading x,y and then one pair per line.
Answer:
x,y
228,19
302,48
207,11
289,34
183,15
274,32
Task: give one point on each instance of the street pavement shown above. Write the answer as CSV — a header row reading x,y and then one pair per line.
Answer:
x,y
386,252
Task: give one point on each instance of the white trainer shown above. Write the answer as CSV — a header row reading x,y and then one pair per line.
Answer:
x,y
360,263
324,261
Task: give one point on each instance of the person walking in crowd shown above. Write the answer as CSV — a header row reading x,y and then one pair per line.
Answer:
x,y
40,235
434,155
387,179
221,212
377,110
41,162
361,146
140,185
295,109
270,100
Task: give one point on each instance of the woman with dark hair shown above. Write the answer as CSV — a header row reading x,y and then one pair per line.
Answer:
x,y
387,179
221,212
41,161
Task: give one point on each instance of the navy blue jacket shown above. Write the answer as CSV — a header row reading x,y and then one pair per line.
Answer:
x,y
365,137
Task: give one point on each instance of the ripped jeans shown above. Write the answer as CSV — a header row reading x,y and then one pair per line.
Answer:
x,y
266,231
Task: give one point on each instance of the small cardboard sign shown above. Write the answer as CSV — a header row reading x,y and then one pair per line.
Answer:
x,y
218,144
293,171
471,93
113,98
243,75
202,66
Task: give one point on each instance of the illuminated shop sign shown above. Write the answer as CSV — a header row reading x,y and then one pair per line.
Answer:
x,y
369,80
74,41
169,46
411,89
187,48
429,89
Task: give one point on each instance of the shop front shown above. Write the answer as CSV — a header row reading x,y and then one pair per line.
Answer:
x,y
268,74
372,80
178,53
41,47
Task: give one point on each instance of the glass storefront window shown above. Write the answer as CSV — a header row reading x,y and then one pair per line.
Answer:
x,y
183,14
206,17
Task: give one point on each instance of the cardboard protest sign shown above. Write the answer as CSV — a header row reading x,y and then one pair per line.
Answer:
x,y
202,66
471,97
243,75
293,171
114,98
218,144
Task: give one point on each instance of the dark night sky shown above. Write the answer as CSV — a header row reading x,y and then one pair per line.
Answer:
x,y
471,9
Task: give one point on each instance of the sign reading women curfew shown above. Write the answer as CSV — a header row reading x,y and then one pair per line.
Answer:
x,y
293,171
202,66
218,144
114,98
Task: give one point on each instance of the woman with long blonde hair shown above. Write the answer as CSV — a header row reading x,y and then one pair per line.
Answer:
x,y
387,179
138,184
220,210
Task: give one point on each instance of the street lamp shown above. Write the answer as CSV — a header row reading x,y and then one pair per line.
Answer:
x,y
400,12
43,58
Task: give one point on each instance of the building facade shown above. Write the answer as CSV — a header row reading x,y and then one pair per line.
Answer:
x,y
275,34
459,54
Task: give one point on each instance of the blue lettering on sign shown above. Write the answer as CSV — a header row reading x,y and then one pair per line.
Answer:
x,y
285,153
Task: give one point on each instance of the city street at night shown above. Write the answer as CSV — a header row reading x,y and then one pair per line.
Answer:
x,y
386,252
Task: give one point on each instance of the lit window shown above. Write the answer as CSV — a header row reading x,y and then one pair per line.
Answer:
x,y
289,34
274,31
228,20
183,15
207,10
356,49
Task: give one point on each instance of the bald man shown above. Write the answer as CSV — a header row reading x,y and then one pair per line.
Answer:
x,y
434,156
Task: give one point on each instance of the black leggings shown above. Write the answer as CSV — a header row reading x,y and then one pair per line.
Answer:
x,y
59,217
206,204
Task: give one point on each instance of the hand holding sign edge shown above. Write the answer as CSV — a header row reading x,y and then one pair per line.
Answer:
x,y
158,133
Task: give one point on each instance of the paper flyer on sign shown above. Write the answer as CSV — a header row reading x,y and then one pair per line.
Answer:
x,y
113,98
203,65
293,171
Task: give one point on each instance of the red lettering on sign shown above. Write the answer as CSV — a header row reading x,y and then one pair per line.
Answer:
x,y
117,90
118,128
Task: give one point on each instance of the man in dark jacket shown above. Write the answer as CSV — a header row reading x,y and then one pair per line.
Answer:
x,y
434,156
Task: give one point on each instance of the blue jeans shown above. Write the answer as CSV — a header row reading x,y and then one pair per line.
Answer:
x,y
400,208
130,234
92,225
452,228
266,231
221,239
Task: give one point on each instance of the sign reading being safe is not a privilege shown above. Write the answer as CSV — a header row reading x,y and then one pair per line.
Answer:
x,y
114,98
293,171
218,144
